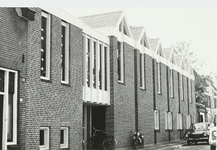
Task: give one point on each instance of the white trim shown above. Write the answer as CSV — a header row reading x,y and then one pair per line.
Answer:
x,y
166,120
46,138
66,137
48,28
66,25
156,119
170,120
5,108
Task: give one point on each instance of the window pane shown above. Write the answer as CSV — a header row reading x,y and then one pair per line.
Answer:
x,y
141,70
100,66
105,58
43,46
94,64
119,59
10,119
88,62
61,136
63,53
2,80
42,138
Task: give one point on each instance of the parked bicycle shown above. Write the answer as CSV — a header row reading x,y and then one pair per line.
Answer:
x,y
138,140
101,140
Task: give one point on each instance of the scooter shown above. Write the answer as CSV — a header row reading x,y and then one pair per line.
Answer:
x,y
138,140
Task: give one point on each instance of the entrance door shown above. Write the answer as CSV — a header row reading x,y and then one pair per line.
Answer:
x,y
98,117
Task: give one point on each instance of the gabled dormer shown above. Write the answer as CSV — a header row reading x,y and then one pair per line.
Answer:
x,y
160,50
140,36
183,65
172,59
123,26
169,55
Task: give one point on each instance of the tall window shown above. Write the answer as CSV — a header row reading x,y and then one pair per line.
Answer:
x,y
105,63
179,121
181,87
168,120
171,83
120,62
44,138
65,53
97,63
158,77
8,93
190,90
45,46
88,62
142,71
188,121
156,119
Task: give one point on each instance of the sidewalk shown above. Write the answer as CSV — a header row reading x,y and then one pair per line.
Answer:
x,y
159,146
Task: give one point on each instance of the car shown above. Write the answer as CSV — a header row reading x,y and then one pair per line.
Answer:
x,y
212,138
198,132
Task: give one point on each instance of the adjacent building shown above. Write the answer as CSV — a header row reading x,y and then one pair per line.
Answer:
x,y
60,76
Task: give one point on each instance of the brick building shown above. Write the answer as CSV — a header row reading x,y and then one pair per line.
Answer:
x,y
60,76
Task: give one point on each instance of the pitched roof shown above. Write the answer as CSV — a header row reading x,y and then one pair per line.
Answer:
x,y
154,44
187,64
102,20
167,52
136,32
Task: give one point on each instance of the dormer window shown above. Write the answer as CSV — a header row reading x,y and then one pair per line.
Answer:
x,y
123,28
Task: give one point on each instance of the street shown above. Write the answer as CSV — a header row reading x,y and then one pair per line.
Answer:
x,y
199,146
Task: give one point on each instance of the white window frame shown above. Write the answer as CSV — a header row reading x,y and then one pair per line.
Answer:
x,y
48,28
166,120
66,25
171,83
46,138
142,73
170,120
178,124
66,136
181,87
121,63
156,119
5,110
190,94
179,121
188,121
158,77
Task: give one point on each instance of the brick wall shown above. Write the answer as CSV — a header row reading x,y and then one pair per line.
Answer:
x,y
145,100
121,113
13,46
49,103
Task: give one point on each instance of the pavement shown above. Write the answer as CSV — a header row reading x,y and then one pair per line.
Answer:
x,y
159,146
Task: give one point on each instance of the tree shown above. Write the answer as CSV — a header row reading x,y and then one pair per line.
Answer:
x,y
201,81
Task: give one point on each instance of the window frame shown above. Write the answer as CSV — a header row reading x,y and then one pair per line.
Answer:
x,y
171,83
181,88
142,71
166,120
46,138
66,137
170,120
121,63
66,52
156,119
48,33
159,77
5,95
190,90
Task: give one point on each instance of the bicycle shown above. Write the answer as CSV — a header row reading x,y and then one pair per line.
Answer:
x,y
101,140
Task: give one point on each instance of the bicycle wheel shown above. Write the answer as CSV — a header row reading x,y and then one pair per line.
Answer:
x,y
109,143
90,142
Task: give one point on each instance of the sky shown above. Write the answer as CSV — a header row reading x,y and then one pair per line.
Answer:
x,y
198,25
169,20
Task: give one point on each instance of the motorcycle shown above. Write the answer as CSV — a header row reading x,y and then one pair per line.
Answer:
x,y
138,140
